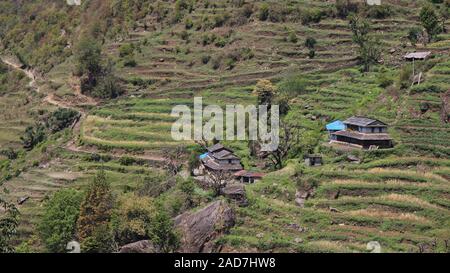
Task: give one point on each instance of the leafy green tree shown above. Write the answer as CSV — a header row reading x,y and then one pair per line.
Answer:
x,y
9,221
369,47
163,233
58,224
88,56
430,21
132,218
95,212
101,240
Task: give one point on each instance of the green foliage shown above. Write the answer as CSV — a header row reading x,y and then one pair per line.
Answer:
x,y
293,86
163,233
58,224
132,218
61,119
379,11
263,13
310,42
414,34
101,241
126,50
265,91
9,221
88,56
369,47
346,7
95,215
430,21
33,136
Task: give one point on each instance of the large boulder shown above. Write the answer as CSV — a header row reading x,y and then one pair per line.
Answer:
x,y
200,229
236,192
144,246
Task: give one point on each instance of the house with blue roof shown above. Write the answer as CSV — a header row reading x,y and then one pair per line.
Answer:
x,y
335,126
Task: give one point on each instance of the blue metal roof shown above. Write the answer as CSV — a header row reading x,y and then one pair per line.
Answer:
x,y
203,155
336,126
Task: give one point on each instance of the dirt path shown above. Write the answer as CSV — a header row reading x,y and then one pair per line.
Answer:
x,y
30,73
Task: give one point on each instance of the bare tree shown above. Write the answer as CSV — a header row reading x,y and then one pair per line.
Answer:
x,y
173,161
289,138
217,180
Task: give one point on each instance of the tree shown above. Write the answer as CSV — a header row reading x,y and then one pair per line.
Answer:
x,y
163,233
369,47
310,43
58,224
95,211
132,218
9,221
289,139
265,91
173,163
430,21
88,56
217,180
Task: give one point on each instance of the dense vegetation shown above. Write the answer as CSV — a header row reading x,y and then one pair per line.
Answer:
x,y
91,147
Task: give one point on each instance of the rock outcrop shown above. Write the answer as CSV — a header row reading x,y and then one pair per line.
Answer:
x,y
199,229
140,247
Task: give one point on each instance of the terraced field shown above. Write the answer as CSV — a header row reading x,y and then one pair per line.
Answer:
x,y
398,197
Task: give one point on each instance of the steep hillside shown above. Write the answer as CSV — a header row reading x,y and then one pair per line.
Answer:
x,y
165,53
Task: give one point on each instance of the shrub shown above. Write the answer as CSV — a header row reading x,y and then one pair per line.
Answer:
x,y
379,12
188,24
206,59
263,12
345,7
413,34
61,119
311,16
126,50
58,224
33,135
293,38
310,42
430,21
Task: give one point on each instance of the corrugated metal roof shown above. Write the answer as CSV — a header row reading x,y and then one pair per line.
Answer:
x,y
418,55
363,121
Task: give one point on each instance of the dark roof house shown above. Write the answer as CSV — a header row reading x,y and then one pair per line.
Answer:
x,y
363,132
219,158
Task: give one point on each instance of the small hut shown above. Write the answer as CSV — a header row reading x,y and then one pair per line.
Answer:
x,y
248,177
421,56
313,160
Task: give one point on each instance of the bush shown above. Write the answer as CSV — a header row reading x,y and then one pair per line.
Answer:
x,y
311,16
379,12
413,34
206,59
263,12
58,224
293,38
345,7
61,119
33,136
126,50
127,161
310,42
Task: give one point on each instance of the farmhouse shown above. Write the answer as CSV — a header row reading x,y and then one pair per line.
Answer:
x,y
335,126
219,158
363,132
248,177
